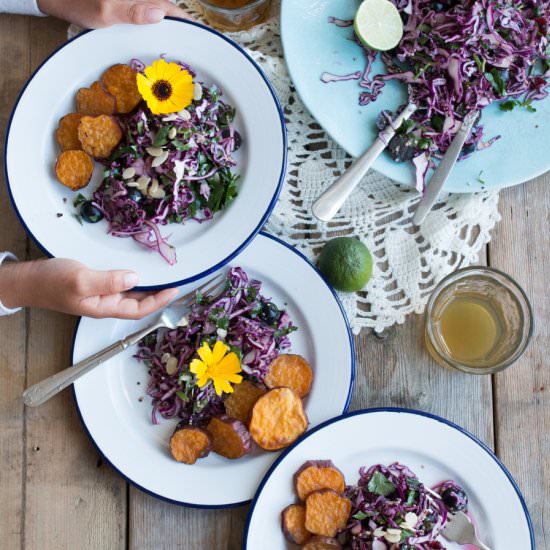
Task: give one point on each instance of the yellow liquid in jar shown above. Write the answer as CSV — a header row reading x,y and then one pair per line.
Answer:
x,y
469,328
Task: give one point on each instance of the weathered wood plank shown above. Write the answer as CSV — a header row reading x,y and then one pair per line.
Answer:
x,y
151,521
73,500
14,68
522,393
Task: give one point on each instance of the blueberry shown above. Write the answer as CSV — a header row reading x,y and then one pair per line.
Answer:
x,y
90,213
269,313
455,499
134,195
236,137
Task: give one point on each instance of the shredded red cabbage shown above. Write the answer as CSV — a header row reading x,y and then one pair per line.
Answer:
x,y
393,510
196,179
248,322
457,57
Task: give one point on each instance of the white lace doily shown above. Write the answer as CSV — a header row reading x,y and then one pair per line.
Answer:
x,y
408,262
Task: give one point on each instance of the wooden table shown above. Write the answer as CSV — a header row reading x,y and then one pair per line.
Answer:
x,y
56,492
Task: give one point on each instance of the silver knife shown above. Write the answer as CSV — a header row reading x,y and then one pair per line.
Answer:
x,y
328,204
447,163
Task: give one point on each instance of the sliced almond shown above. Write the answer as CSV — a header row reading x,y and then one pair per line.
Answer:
x,y
172,132
132,184
128,173
154,151
171,365
197,91
185,114
161,159
165,357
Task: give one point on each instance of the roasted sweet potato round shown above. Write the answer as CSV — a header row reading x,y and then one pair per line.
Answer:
x,y
322,543
293,523
230,438
189,443
239,403
277,419
315,475
95,100
327,512
74,169
99,135
67,132
120,81
291,371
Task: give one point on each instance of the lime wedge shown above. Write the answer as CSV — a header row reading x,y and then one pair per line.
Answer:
x,y
378,24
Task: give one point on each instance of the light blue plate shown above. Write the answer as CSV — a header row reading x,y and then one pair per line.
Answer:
x,y
313,46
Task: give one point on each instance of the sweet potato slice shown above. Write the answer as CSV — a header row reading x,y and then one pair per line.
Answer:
x,y
277,419
67,132
322,543
230,438
120,81
327,512
95,100
74,169
189,443
99,135
291,371
239,403
315,475
293,522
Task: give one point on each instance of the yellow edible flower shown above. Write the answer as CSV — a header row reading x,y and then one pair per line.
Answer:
x,y
166,87
217,365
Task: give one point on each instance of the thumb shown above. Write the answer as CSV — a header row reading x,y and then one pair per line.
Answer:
x,y
143,13
105,283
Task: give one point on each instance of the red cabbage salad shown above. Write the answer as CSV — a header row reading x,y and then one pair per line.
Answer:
x,y
242,318
457,57
393,510
168,168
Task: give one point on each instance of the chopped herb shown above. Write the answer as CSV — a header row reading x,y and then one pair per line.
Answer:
x,y
479,177
162,137
360,516
79,199
380,485
78,218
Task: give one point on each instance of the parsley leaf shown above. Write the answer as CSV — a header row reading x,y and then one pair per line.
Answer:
x,y
380,485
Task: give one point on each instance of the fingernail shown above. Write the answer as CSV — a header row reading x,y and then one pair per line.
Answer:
x,y
131,280
154,15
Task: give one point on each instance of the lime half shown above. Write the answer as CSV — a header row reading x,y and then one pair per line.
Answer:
x,y
378,24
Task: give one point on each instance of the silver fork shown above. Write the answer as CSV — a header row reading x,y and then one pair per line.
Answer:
x,y
173,316
459,527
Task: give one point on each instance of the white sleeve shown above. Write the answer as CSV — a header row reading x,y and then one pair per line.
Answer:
x,y
7,256
23,7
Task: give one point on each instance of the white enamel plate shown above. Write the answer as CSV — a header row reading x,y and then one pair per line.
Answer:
x,y
117,412
434,448
31,151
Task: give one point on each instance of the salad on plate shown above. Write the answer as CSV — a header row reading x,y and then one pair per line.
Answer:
x,y
166,144
455,58
226,375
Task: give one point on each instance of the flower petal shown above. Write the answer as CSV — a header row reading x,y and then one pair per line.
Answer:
x,y
205,353
235,378
230,364
197,367
221,386
220,349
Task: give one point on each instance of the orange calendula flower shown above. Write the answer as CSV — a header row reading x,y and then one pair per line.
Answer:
x,y
166,87
217,365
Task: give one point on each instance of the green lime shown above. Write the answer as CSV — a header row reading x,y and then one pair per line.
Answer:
x,y
378,24
346,263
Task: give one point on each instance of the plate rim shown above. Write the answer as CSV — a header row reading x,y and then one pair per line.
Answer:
x,y
233,504
266,214
399,410
461,191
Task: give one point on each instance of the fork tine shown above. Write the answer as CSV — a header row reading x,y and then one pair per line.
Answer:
x,y
205,288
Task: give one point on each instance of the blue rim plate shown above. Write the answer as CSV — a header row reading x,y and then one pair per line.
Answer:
x,y
116,413
434,448
30,151
313,46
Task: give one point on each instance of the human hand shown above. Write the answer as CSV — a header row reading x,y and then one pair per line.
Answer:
x,y
70,287
93,14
